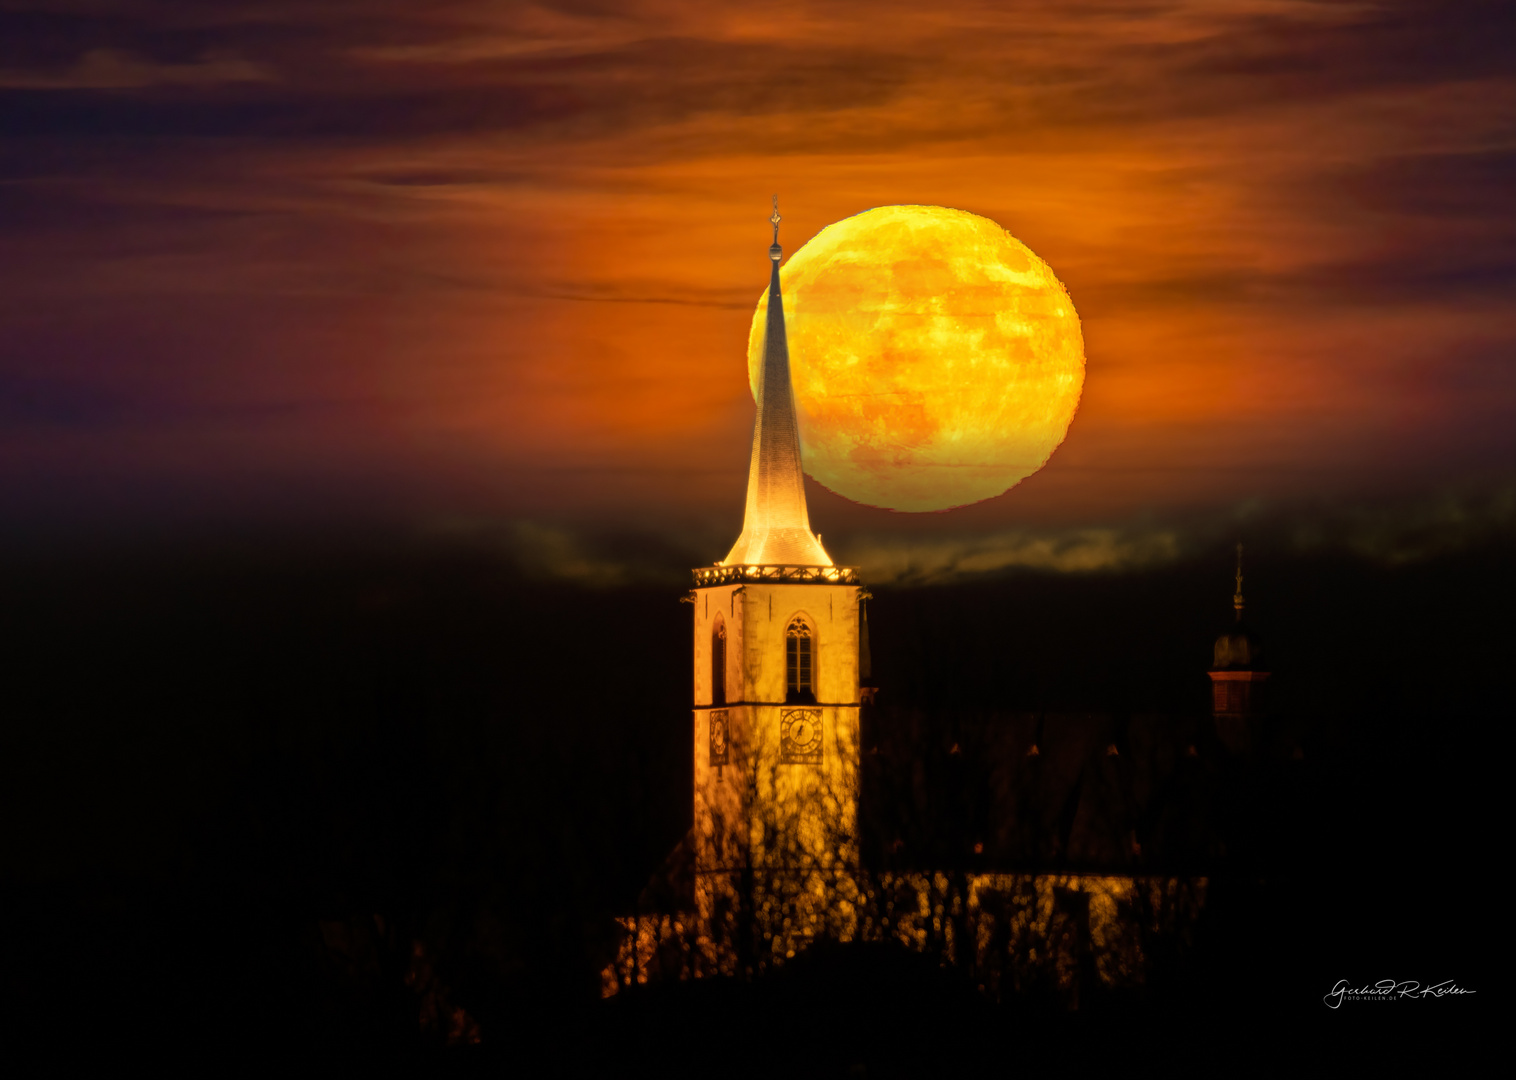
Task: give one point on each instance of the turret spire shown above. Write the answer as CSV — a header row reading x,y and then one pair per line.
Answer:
x,y
776,528
1237,597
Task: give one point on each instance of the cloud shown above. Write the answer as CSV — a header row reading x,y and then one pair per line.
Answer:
x,y
906,561
1401,533
592,557
1387,531
524,235
112,69
606,557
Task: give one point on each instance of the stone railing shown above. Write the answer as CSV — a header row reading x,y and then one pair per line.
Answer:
x,y
814,575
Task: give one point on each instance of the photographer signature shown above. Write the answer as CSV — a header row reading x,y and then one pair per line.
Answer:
x,y
1389,990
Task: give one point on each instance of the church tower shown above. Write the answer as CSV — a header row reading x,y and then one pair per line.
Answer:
x,y
776,702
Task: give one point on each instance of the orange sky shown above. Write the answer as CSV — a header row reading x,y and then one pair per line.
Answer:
x,y
498,261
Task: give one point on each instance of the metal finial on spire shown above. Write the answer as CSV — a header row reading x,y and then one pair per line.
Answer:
x,y
1237,598
775,251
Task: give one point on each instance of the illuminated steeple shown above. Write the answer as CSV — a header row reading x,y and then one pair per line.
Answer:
x,y
776,529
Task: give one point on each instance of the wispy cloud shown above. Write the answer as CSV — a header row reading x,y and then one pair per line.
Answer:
x,y
904,561
1398,533
529,235
114,69
578,555
1387,531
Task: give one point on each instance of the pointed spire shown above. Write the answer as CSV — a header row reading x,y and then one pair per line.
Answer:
x,y
1237,597
776,528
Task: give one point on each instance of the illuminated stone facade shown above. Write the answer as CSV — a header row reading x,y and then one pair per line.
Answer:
x,y
776,760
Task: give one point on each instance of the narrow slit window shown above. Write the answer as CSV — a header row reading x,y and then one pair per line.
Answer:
x,y
718,664
799,661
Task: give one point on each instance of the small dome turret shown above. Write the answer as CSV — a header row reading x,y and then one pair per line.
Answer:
x,y
1236,650
1236,670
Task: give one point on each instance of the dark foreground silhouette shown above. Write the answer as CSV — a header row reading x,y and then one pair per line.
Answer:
x,y
390,802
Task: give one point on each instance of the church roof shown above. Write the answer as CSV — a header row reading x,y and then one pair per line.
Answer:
x,y
776,528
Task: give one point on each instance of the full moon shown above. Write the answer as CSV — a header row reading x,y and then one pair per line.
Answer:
x,y
936,360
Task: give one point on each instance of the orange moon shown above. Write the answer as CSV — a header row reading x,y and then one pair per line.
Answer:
x,y
936,360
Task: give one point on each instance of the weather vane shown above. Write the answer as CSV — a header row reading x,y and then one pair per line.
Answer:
x,y
776,219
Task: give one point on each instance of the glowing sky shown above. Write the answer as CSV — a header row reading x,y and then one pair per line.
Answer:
x,y
480,259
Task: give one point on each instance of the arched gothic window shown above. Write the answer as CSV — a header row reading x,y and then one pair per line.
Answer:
x,y
718,663
799,661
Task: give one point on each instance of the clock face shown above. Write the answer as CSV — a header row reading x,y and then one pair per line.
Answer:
x,y
718,737
800,736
